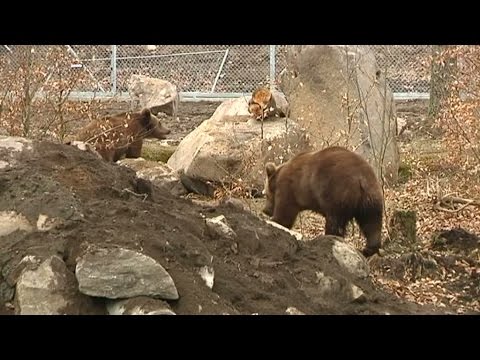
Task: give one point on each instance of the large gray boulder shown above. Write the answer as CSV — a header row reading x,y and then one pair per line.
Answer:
x,y
123,273
11,149
156,94
229,146
10,221
51,289
339,94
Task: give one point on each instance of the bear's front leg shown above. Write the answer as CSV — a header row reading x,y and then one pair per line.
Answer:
x,y
134,150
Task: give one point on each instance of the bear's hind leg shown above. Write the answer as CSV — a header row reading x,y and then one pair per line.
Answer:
x,y
335,225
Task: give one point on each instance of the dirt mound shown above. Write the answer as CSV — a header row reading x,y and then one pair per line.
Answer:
x,y
456,239
263,270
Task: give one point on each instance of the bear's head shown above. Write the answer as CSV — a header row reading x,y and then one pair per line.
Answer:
x,y
271,171
259,103
152,125
255,109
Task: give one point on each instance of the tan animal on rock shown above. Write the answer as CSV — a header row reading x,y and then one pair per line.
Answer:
x,y
262,104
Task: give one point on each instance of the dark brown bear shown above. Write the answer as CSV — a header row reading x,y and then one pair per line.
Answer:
x,y
335,182
122,134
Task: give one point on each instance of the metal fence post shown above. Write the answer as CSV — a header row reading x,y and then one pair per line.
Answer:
x,y
272,65
114,69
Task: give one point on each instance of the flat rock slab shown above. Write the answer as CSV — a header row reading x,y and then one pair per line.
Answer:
x,y
122,273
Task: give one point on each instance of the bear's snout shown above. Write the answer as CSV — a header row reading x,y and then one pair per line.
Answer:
x,y
160,132
163,130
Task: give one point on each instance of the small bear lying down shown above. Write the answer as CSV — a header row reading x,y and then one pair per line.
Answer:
x,y
334,182
262,105
122,134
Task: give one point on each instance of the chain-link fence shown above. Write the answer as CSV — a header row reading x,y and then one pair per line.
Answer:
x,y
408,67
220,70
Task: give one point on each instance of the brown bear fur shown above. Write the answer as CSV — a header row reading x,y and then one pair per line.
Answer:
x,y
334,182
122,134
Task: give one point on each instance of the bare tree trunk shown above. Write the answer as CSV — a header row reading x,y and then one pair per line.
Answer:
x,y
27,98
442,73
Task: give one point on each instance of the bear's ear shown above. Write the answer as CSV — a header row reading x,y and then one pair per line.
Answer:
x,y
146,116
270,168
146,112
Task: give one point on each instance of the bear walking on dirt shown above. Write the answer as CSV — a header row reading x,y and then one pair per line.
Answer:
x,y
122,134
336,183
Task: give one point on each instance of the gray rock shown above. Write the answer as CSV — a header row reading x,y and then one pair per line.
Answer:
x,y
139,306
350,259
281,101
229,146
10,221
218,226
12,270
357,294
15,143
294,233
10,148
156,94
207,273
293,311
197,186
121,273
50,290
338,289
45,223
327,285
401,125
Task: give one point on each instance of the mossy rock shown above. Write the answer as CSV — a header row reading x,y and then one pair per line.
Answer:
x,y
157,151
404,173
403,226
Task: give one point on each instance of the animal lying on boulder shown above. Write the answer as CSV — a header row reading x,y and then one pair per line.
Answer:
x,y
122,134
263,105
334,182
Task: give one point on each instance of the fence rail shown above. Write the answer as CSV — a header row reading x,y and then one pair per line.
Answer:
x,y
220,71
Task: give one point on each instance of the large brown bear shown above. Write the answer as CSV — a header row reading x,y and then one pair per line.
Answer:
x,y
335,182
122,134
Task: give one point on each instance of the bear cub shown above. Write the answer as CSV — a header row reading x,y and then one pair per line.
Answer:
x,y
334,182
122,134
262,105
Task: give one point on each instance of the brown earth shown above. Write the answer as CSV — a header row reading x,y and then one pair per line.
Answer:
x,y
265,271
